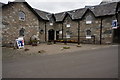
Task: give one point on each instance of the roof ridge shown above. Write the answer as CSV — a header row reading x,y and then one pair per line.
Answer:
x,y
42,10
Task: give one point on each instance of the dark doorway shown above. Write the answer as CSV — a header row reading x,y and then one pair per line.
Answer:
x,y
57,35
116,35
51,35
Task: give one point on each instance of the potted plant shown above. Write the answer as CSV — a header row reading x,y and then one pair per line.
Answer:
x,y
34,42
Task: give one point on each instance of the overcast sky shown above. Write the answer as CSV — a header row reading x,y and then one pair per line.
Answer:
x,y
55,6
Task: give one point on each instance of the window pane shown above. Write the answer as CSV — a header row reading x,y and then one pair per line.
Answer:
x,y
67,35
21,16
88,32
68,25
89,19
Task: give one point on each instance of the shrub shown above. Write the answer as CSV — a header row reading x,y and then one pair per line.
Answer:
x,y
66,47
49,43
34,42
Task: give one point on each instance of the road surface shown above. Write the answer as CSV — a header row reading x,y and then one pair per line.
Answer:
x,y
97,63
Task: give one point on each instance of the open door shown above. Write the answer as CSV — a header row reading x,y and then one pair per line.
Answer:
x,y
51,33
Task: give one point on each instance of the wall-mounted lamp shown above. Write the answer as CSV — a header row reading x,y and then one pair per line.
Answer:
x,y
41,31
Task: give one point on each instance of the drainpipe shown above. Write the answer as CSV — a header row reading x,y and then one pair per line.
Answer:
x,y
78,33
62,31
45,32
101,26
55,35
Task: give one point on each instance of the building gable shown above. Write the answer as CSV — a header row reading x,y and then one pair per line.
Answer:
x,y
67,17
27,6
44,15
60,16
77,14
87,14
12,10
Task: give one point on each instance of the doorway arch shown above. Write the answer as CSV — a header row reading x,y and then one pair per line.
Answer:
x,y
51,35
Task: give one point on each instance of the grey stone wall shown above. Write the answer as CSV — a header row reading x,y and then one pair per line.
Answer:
x,y
94,27
118,15
0,24
42,31
107,32
119,18
70,27
12,24
55,27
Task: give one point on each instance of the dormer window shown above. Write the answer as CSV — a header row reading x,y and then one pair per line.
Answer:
x,y
21,16
89,19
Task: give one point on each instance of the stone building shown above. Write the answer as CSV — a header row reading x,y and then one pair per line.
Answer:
x,y
91,24
43,24
118,19
99,21
118,13
48,27
20,19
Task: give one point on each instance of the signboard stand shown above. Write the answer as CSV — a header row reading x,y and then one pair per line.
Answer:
x,y
114,24
20,43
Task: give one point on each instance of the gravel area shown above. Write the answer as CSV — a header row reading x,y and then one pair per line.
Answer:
x,y
44,49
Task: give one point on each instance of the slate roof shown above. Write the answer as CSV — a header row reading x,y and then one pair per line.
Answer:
x,y
74,14
60,16
44,15
1,4
104,10
77,14
98,11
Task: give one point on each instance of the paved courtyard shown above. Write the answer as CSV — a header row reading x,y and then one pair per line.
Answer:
x,y
44,49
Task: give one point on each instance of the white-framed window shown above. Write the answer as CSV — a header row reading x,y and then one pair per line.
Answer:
x,y
21,16
60,32
88,22
68,25
67,35
89,19
88,34
51,24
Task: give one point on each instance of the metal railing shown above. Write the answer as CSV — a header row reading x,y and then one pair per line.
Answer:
x,y
73,39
